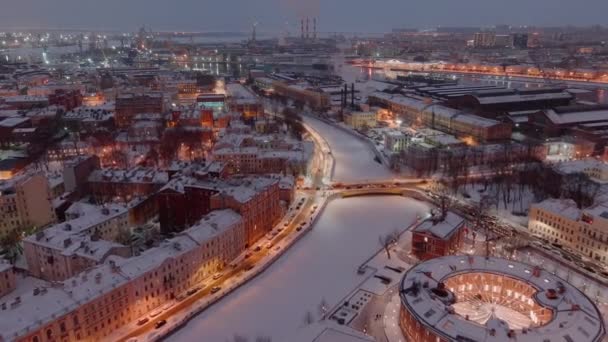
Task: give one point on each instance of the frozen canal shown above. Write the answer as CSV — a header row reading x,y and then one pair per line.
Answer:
x,y
354,161
322,265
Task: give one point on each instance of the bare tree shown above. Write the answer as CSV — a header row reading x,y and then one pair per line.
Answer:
x,y
388,241
580,188
240,338
445,203
308,318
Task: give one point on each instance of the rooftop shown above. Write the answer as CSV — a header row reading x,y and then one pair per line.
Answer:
x,y
442,229
34,308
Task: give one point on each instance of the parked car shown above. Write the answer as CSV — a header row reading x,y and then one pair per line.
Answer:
x,y
217,276
193,291
143,321
160,323
215,289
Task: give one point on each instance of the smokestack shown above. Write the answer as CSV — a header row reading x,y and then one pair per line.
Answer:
x,y
314,25
307,30
302,28
345,94
352,99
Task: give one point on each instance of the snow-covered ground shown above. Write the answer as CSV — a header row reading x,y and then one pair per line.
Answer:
x,y
354,161
322,265
520,202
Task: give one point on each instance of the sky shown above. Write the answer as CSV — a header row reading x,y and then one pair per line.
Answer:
x,y
280,15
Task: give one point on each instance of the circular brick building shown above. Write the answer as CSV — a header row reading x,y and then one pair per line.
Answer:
x,y
473,298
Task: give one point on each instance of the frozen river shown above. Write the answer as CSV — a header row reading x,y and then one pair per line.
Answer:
x,y
321,265
354,161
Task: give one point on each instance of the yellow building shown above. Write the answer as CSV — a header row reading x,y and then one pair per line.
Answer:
x,y
583,230
357,120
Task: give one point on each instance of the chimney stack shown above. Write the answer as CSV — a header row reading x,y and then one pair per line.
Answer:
x,y
307,28
302,28
314,25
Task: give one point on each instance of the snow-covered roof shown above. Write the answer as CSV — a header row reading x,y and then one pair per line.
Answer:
x,y
575,317
135,175
35,310
563,207
74,235
565,117
442,229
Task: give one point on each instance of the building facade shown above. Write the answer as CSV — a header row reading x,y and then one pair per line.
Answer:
x,y
582,230
25,202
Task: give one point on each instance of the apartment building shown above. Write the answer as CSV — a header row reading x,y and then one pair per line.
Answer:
x,y
583,230
25,201
95,303
84,240
7,278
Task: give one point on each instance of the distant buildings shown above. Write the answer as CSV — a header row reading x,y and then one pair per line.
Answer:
x,y
243,101
484,39
437,116
358,120
129,105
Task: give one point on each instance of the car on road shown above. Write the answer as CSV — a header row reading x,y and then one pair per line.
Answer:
x,y
143,321
286,224
160,324
193,291
156,313
258,248
215,289
298,229
217,276
269,246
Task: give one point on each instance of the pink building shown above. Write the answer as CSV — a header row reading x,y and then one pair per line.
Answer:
x,y
97,302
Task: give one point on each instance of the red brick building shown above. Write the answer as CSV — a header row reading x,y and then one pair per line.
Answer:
x,y
106,185
69,99
435,238
186,200
129,105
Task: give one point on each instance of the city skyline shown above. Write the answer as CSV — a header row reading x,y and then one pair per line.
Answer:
x,y
281,15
